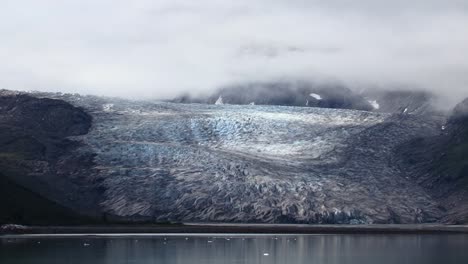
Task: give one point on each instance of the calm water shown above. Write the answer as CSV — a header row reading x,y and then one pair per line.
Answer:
x,y
289,249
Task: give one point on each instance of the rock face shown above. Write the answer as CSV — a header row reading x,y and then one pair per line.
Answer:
x,y
408,102
440,164
35,162
308,94
230,163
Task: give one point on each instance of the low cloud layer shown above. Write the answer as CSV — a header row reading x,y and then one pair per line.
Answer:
x,y
159,49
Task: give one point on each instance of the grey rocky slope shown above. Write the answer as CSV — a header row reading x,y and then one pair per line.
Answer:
x,y
237,163
440,164
35,168
308,94
284,93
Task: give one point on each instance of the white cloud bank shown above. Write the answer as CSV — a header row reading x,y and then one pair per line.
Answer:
x,y
158,49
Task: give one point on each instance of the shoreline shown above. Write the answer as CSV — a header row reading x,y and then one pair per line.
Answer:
x,y
224,228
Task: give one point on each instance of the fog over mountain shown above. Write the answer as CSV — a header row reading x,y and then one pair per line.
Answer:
x,y
161,49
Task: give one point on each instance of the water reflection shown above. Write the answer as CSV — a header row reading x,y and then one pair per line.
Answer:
x,y
291,249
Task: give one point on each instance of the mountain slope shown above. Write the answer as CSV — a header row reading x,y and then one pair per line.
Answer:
x,y
307,94
20,205
34,161
284,93
440,164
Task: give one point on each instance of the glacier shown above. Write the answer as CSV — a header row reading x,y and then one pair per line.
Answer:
x,y
242,163
163,161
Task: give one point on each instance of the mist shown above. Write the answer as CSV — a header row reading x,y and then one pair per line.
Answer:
x,y
160,49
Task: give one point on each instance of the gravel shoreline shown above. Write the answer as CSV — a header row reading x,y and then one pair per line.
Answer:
x,y
238,229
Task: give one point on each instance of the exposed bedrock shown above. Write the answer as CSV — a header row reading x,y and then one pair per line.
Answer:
x,y
36,159
440,164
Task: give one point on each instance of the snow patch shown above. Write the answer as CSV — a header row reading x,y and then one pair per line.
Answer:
x,y
107,107
316,96
219,101
374,104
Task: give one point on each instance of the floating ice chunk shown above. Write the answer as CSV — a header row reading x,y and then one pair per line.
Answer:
x,y
316,96
209,241
443,127
86,244
219,101
252,103
266,254
374,104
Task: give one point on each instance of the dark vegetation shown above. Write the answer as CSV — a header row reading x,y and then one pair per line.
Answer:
x,y
22,206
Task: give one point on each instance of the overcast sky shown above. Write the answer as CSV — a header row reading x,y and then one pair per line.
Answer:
x,y
159,48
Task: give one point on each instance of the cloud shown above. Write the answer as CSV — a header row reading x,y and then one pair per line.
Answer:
x,y
159,49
